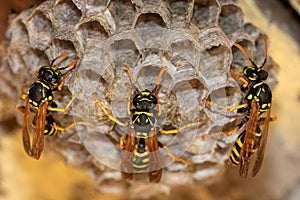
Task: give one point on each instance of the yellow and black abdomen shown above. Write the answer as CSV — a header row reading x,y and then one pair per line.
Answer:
x,y
234,158
141,156
39,92
49,127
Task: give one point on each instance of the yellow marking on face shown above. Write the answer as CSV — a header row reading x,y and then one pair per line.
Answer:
x,y
145,93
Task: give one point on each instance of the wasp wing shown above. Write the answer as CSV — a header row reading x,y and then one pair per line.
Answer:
x,y
249,141
38,135
26,132
155,168
263,143
127,158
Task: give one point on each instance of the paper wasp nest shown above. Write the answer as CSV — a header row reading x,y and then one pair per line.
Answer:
x,y
192,38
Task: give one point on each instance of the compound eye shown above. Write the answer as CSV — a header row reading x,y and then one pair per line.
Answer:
x,y
53,80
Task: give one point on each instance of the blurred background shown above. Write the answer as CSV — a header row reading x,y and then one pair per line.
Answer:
x,y
50,179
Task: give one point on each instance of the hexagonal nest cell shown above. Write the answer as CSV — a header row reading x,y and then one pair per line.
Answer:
x,y
193,39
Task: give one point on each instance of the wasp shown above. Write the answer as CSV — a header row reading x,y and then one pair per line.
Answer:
x,y
141,145
39,104
257,106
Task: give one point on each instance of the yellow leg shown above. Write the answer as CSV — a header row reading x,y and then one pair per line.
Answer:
x,y
245,105
63,129
173,156
262,120
112,118
123,139
22,95
227,133
129,107
72,65
20,108
244,81
121,143
175,131
65,109
158,107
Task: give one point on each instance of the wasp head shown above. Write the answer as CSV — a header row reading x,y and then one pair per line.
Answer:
x,y
255,73
50,74
145,100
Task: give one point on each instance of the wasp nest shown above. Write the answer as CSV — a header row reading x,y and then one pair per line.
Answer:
x,y
192,38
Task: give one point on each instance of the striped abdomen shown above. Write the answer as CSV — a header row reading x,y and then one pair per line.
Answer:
x,y
234,158
141,156
49,127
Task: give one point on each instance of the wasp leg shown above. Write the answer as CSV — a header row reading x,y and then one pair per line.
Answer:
x,y
241,79
262,120
63,129
175,131
227,133
23,95
72,65
65,109
20,108
112,118
245,105
120,144
173,156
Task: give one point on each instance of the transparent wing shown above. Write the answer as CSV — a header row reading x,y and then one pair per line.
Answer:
x,y
249,142
155,170
263,143
26,132
38,135
127,158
